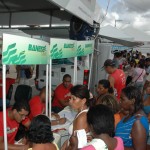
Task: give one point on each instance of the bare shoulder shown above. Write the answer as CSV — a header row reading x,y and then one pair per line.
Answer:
x,y
81,122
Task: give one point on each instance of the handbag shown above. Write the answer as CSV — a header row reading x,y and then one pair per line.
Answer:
x,y
132,83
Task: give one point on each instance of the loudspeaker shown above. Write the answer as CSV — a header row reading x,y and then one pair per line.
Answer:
x,y
80,30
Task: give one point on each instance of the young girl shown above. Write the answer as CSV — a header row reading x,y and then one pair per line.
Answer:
x,y
101,122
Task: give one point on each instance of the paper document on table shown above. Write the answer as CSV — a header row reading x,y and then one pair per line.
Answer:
x,y
68,113
61,126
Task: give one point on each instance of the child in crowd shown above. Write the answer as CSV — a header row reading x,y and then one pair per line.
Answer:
x,y
101,122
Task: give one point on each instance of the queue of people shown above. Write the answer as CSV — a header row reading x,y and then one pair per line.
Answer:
x,y
117,118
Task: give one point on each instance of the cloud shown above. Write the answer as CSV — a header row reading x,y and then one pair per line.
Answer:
x,y
135,13
139,6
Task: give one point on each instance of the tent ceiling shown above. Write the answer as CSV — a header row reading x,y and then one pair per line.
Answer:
x,y
31,12
25,5
53,32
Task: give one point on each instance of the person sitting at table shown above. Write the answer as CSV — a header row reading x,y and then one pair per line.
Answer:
x,y
40,136
62,94
14,116
37,107
79,101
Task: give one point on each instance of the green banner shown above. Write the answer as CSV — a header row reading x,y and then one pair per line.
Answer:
x,y
22,50
85,47
62,48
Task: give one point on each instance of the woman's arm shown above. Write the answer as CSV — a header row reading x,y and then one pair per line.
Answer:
x,y
139,136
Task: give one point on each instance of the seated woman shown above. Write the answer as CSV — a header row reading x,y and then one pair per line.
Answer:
x,y
103,88
101,122
133,128
40,136
111,101
79,101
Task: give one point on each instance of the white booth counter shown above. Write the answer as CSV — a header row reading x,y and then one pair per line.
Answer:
x,y
62,130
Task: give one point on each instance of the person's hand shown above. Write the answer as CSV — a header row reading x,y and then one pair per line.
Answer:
x,y
73,142
56,116
89,138
62,120
26,147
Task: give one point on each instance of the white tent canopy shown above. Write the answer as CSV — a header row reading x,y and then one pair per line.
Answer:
x,y
117,36
137,34
14,32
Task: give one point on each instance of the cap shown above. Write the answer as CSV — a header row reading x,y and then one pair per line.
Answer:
x,y
109,62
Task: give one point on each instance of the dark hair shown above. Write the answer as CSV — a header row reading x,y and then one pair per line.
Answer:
x,y
40,130
22,104
106,85
110,101
141,63
101,118
132,92
133,61
81,91
66,76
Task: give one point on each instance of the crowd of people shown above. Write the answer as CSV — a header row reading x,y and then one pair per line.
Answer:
x,y
117,118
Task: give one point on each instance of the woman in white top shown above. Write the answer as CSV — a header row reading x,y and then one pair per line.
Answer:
x,y
79,101
139,74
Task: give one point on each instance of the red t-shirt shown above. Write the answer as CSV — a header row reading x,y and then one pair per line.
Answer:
x,y
36,107
119,82
60,93
12,127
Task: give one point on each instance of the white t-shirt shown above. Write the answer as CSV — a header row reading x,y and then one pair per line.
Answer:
x,y
138,75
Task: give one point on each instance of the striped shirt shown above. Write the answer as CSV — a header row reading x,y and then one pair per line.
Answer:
x,y
124,129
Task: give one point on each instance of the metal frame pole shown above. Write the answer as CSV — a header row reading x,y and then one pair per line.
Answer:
x,y
4,108
75,71
50,88
46,90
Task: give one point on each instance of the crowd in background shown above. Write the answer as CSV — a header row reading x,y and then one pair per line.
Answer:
x,y
117,118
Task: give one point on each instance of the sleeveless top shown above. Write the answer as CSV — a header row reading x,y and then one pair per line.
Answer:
x,y
146,96
124,129
70,129
120,145
98,144
119,82
146,109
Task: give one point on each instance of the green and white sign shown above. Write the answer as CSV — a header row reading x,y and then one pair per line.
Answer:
x,y
22,50
85,47
62,48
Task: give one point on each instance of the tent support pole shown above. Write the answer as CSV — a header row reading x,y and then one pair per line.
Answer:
x,y
46,90
50,88
4,107
75,71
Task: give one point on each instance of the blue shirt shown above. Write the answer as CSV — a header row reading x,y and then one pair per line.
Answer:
x,y
124,129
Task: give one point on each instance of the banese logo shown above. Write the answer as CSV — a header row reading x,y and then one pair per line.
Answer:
x,y
69,45
37,48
